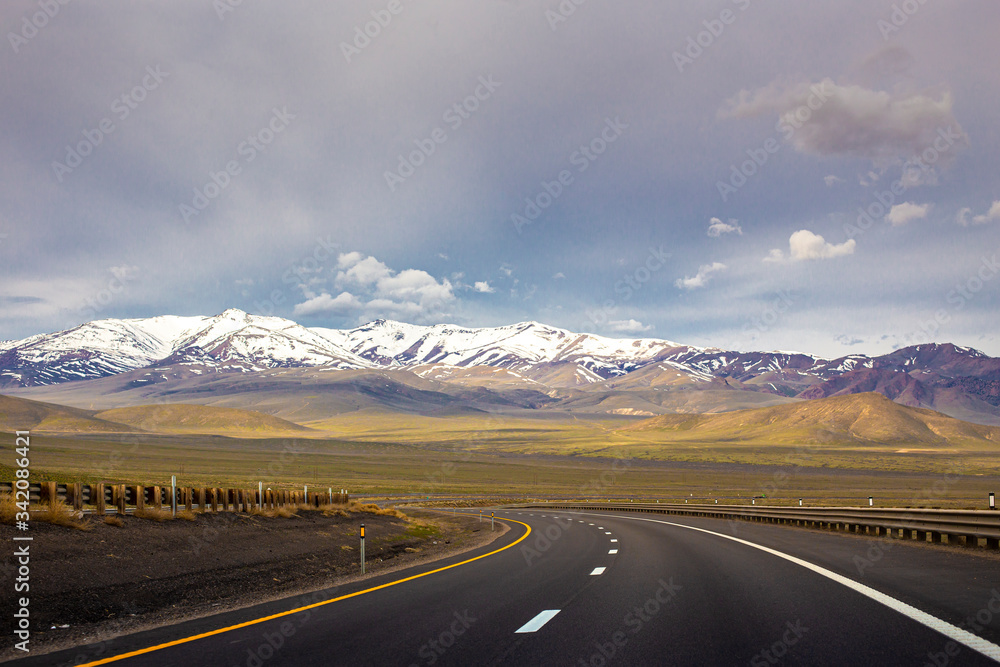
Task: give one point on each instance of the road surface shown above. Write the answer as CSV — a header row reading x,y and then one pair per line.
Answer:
x,y
589,588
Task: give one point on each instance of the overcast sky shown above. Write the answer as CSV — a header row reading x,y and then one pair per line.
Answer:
x,y
631,168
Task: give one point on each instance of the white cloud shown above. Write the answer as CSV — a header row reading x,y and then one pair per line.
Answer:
x,y
717,227
900,214
776,255
483,286
701,279
992,215
378,291
559,276
803,245
324,304
827,118
628,326
832,180
360,271
348,259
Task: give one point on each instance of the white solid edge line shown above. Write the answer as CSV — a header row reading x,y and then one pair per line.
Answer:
x,y
976,643
613,551
537,622
597,571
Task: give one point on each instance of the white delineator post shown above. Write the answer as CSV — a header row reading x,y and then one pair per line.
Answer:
x,y
362,548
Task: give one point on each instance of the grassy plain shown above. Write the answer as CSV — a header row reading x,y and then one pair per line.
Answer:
x,y
834,451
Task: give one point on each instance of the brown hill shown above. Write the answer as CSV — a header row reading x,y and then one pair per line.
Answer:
x,y
21,414
856,418
184,418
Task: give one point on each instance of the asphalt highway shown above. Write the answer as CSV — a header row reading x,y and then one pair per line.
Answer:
x,y
579,588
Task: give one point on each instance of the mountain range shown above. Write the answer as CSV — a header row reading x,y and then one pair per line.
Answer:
x,y
236,359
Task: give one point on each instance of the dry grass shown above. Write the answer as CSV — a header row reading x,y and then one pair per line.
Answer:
x,y
113,520
283,512
153,514
334,510
61,514
187,515
8,509
372,508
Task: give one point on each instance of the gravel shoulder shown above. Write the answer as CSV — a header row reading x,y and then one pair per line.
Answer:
x,y
90,586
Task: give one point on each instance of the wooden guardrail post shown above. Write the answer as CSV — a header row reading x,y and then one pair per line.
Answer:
x,y
140,497
189,493
48,494
99,498
157,497
74,493
120,500
202,495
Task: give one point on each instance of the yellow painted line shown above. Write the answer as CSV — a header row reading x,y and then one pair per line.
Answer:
x,y
245,624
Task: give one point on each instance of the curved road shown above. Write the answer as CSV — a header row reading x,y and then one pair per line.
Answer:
x,y
579,588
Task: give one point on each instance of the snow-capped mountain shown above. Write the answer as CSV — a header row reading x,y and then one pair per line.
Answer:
x,y
545,357
516,346
233,340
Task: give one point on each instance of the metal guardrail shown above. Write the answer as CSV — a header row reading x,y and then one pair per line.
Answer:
x,y
937,525
125,498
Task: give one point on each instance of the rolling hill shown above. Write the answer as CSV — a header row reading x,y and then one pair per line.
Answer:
x,y
854,419
183,418
19,414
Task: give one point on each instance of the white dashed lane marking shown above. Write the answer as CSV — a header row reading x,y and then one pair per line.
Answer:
x,y
537,622
613,551
597,571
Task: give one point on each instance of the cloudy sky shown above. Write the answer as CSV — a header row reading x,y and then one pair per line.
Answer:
x,y
819,176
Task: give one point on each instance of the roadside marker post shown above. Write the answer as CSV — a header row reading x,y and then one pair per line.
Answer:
x,y
800,502
870,501
491,520
260,495
173,495
362,548
993,501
